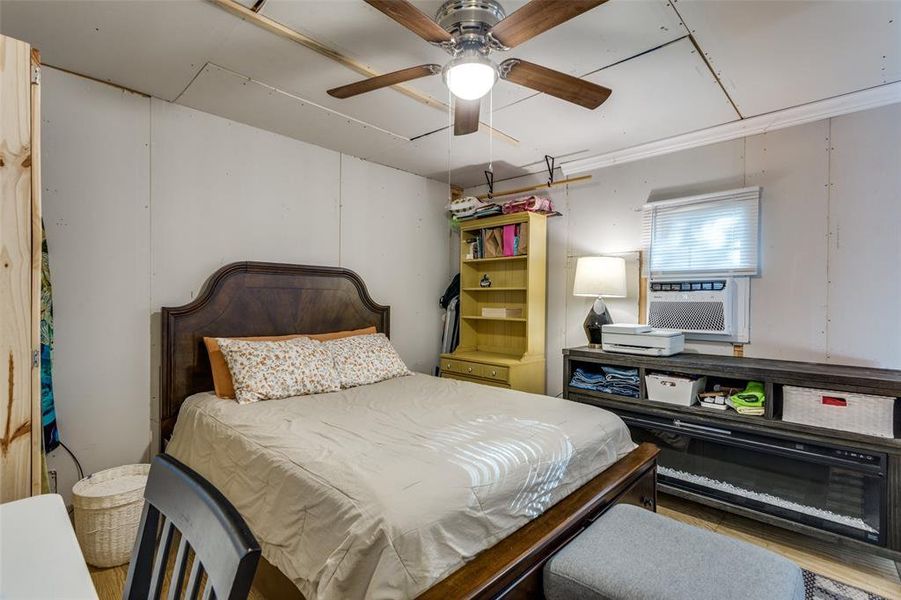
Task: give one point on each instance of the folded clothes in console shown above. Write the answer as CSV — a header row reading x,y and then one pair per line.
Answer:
x,y
612,380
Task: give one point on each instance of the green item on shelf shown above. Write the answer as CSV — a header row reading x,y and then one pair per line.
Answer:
x,y
752,396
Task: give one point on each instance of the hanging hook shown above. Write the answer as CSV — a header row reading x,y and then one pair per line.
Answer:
x,y
549,161
489,177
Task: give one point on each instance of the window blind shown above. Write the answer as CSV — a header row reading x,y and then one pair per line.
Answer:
x,y
715,234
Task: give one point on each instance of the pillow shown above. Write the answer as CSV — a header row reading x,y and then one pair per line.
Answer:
x,y
222,378
364,359
279,369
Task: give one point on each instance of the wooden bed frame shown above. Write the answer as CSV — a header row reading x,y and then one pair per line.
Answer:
x,y
255,299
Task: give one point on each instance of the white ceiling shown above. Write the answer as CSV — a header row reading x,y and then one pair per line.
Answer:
x,y
766,55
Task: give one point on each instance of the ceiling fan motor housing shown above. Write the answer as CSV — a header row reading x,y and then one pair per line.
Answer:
x,y
469,21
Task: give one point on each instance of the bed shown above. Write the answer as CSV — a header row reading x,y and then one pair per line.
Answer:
x,y
414,486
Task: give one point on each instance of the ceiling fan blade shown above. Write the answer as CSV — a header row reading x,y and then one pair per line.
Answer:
x,y
537,17
386,80
413,19
466,116
554,83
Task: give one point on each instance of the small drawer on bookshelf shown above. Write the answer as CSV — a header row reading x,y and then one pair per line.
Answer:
x,y
501,384
495,373
461,366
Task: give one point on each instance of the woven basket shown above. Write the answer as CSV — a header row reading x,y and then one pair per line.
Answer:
x,y
108,507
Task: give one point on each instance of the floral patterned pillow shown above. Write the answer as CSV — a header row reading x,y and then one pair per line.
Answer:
x,y
272,370
364,359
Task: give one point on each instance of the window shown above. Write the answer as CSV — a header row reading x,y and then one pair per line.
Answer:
x,y
714,234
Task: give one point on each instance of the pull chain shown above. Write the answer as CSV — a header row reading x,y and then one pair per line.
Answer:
x,y
491,130
450,139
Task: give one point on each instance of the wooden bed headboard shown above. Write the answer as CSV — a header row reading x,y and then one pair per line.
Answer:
x,y
251,299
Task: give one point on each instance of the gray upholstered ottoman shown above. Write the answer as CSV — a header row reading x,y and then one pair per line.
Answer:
x,y
633,554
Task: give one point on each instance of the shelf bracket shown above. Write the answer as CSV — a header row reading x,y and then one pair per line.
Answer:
x,y
489,179
549,161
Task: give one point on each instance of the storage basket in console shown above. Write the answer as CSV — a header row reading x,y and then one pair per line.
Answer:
x,y
845,411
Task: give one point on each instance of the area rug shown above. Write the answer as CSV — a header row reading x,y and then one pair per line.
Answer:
x,y
820,587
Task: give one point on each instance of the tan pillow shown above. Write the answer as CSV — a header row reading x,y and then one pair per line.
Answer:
x,y
273,370
222,378
364,359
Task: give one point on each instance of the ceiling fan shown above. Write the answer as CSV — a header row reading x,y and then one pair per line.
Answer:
x,y
469,30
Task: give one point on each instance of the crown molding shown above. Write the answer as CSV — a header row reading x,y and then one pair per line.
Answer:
x,y
797,115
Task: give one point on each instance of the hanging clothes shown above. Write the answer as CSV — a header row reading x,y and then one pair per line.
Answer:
x,y
48,409
450,303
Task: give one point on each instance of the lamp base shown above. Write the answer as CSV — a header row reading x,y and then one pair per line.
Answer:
x,y
597,317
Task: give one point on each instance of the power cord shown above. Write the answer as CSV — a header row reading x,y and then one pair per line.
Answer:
x,y
70,508
75,460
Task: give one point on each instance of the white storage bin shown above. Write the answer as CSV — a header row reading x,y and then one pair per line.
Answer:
x,y
108,506
674,389
845,411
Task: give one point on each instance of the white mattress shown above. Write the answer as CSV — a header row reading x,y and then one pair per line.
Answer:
x,y
383,490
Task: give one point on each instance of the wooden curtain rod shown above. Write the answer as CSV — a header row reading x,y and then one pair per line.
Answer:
x,y
540,186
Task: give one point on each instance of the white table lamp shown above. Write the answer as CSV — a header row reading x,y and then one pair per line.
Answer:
x,y
599,277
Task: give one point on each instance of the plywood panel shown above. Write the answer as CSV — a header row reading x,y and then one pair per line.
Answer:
x,y
788,301
394,233
789,52
96,161
152,47
288,66
606,211
864,245
230,95
16,419
37,432
659,94
225,192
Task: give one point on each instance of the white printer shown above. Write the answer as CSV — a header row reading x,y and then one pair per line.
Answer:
x,y
628,338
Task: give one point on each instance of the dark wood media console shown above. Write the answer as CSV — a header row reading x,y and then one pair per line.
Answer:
x,y
840,486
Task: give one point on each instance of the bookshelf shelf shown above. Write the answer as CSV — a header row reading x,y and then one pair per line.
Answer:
x,y
511,319
495,259
495,289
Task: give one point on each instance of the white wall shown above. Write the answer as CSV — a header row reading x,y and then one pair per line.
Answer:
x,y
95,152
831,280
144,199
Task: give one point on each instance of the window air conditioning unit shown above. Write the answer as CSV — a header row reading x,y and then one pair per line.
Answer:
x,y
711,309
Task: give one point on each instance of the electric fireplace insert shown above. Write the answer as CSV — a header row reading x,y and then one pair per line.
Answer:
x,y
835,488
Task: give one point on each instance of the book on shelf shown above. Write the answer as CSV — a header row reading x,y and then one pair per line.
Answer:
x,y
496,242
502,313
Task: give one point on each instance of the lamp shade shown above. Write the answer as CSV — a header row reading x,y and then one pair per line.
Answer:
x,y
600,276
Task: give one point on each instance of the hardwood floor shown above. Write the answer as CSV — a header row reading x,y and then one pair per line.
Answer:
x,y
871,573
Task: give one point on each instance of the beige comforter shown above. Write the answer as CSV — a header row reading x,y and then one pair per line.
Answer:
x,y
383,490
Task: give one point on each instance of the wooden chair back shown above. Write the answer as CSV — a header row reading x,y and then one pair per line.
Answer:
x,y
177,499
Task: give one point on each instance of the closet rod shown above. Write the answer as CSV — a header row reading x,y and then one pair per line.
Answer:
x,y
533,188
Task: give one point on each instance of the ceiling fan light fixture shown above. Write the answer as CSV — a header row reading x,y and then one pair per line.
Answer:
x,y
470,76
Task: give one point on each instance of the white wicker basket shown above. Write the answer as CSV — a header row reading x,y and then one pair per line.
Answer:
x,y
846,411
108,507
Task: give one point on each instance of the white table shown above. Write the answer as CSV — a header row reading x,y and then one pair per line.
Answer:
x,y
39,555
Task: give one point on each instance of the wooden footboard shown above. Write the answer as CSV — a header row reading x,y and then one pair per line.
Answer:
x,y
512,568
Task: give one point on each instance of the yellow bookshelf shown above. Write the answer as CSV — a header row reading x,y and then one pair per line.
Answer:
x,y
502,351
